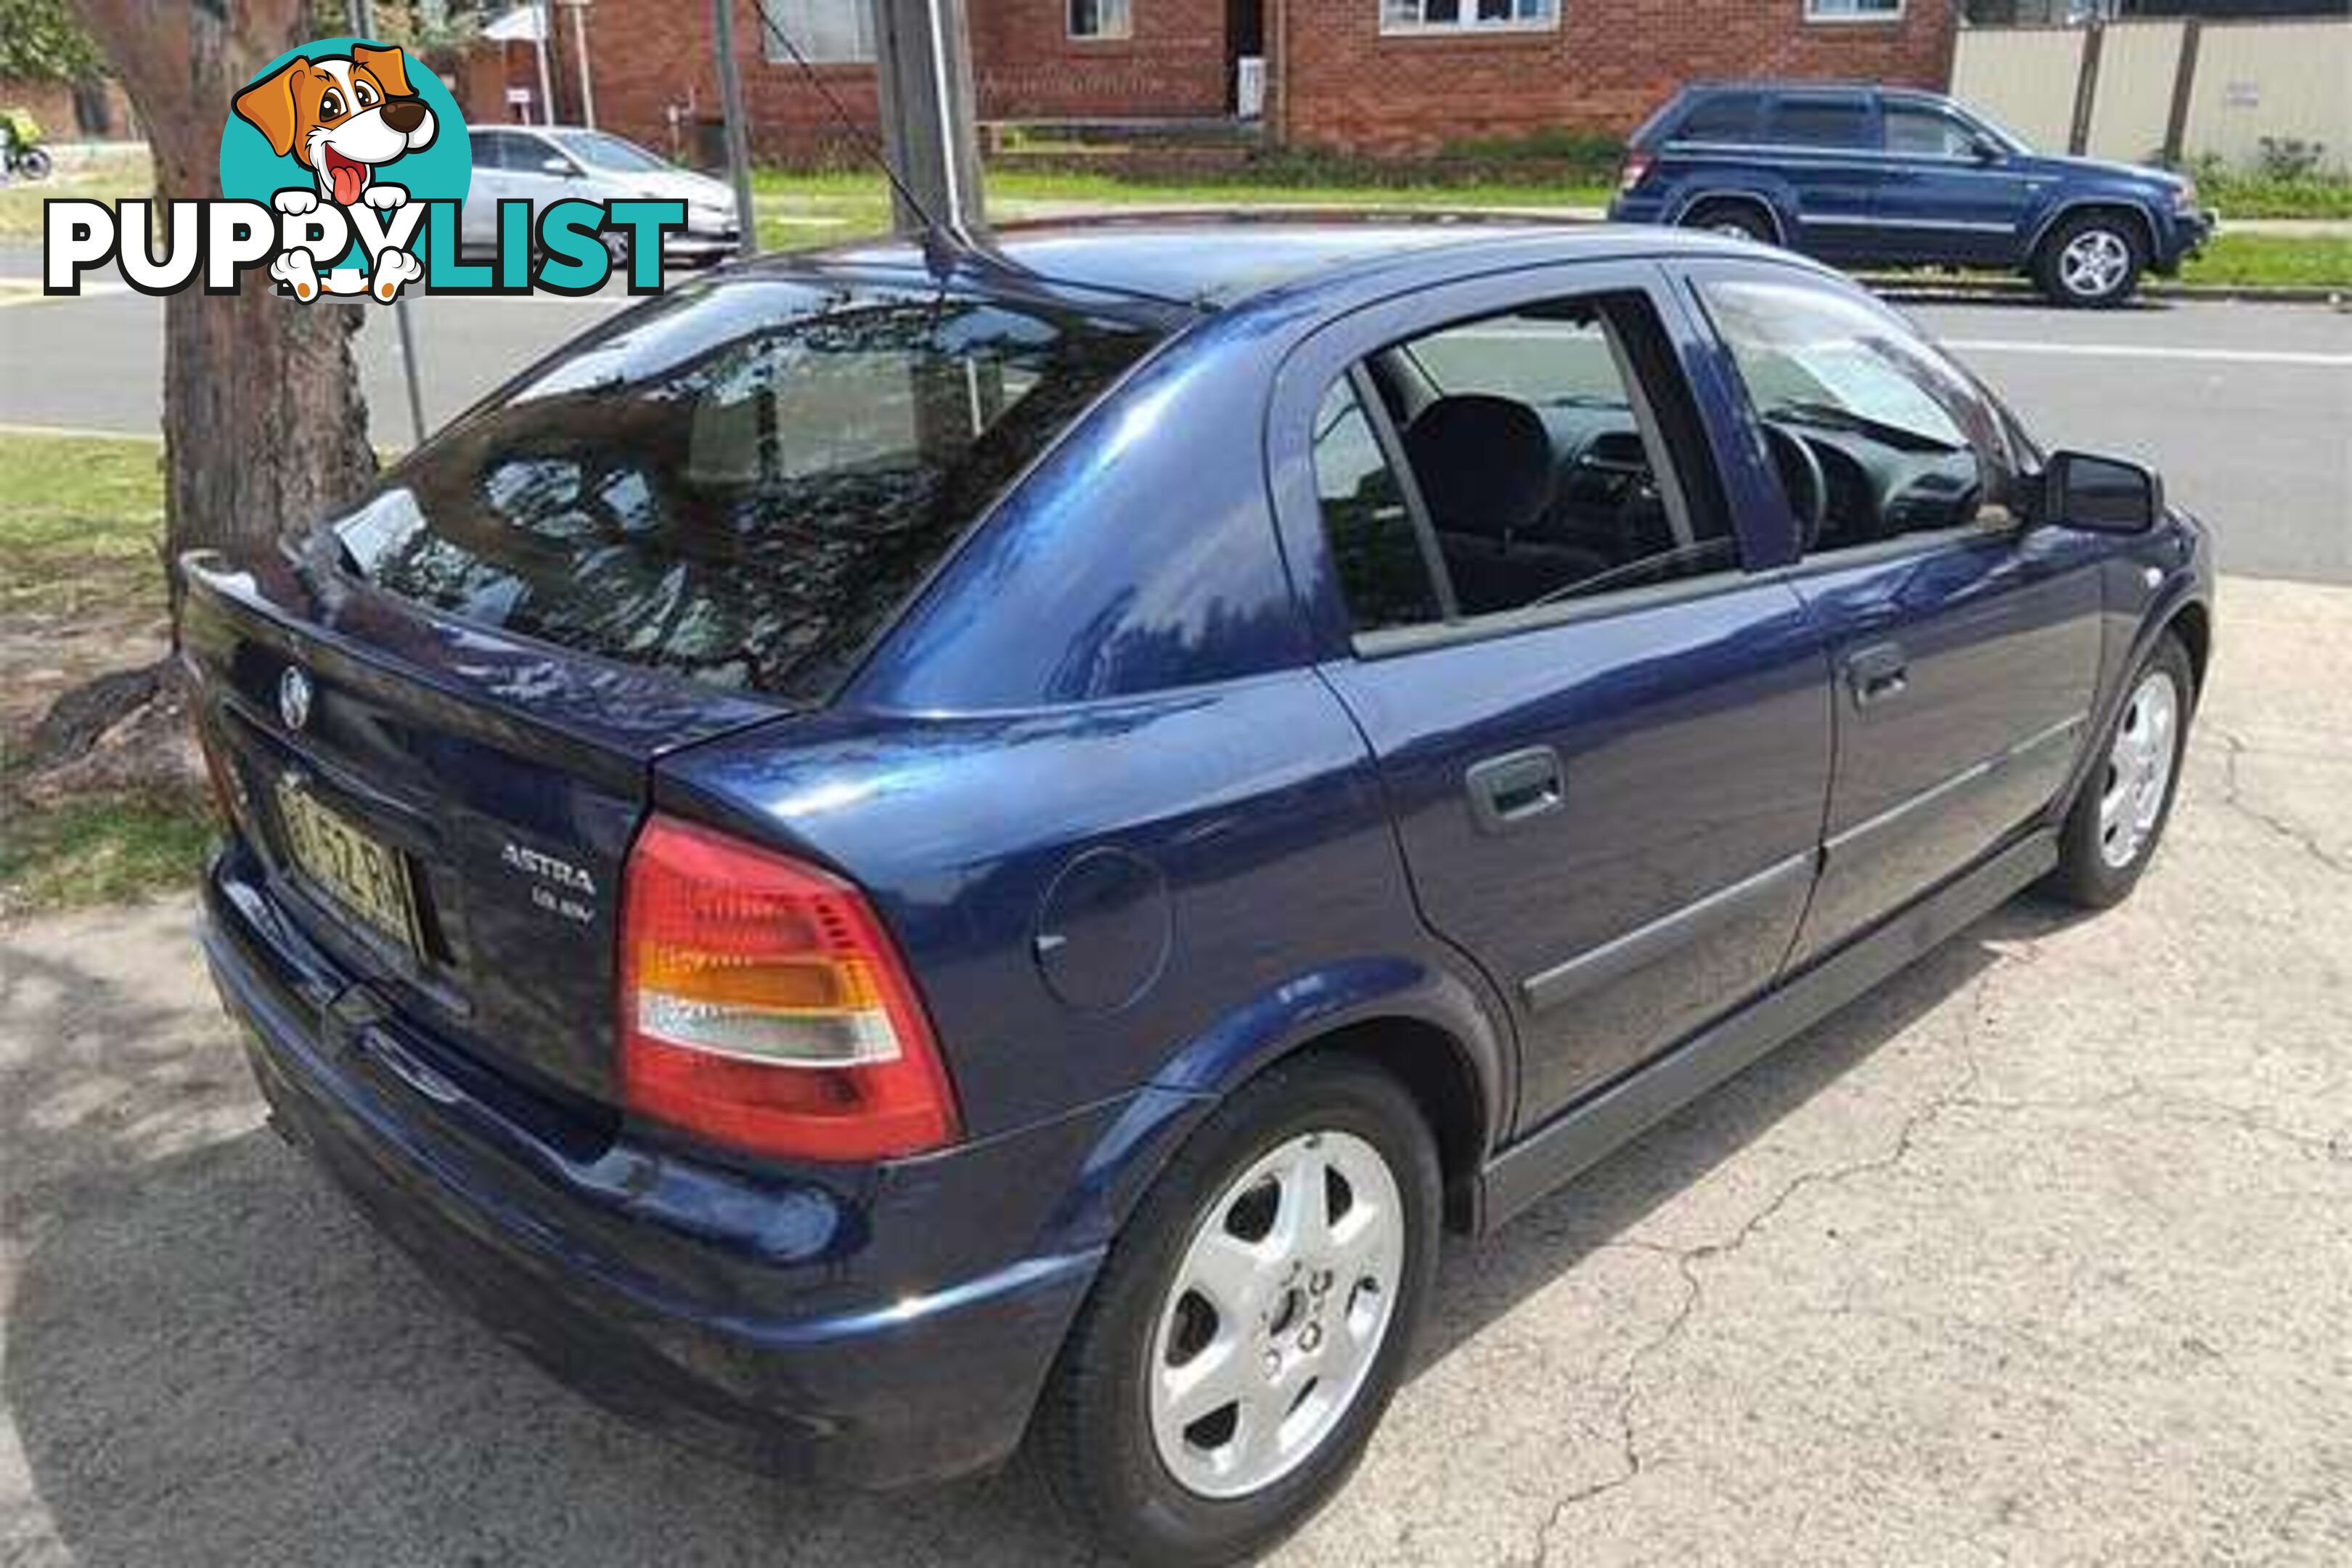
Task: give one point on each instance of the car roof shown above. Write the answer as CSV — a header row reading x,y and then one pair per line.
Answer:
x,y
1801,84
1214,260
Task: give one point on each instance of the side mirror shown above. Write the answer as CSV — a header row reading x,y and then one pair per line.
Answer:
x,y
1985,149
2105,495
561,167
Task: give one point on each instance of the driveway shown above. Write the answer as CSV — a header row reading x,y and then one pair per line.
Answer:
x,y
2041,1254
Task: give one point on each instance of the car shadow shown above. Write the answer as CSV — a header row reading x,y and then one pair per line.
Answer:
x,y
209,1358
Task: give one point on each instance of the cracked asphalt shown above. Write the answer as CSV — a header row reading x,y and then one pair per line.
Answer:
x,y
2041,1254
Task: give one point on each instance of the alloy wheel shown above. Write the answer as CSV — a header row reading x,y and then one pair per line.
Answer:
x,y
2095,263
1277,1314
2139,769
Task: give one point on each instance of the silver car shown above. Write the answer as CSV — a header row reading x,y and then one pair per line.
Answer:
x,y
543,164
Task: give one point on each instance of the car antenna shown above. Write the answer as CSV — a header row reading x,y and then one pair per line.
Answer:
x,y
944,243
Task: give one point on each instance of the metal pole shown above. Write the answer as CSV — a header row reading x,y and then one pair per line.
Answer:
x,y
546,86
406,327
738,140
929,131
580,48
363,22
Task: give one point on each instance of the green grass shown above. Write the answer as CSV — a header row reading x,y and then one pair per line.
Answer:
x,y
81,525
1024,185
103,851
113,178
2262,196
79,520
798,210
2272,261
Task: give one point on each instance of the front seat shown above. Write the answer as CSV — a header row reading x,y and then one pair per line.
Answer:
x,y
1485,467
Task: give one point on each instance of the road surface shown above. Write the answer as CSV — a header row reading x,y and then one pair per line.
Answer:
x,y
2247,408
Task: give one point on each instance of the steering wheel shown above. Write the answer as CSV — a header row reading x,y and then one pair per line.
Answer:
x,y
1802,477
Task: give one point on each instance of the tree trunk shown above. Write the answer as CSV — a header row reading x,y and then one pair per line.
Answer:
x,y
265,427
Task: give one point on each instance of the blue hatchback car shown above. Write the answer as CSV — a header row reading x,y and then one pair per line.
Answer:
x,y
881,856
1868,176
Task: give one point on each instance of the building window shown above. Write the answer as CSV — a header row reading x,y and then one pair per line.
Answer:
x,y
1100,19
837,32
1853,10
1467,16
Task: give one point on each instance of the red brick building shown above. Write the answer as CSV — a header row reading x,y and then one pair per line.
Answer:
x,y
1376,77
1386,78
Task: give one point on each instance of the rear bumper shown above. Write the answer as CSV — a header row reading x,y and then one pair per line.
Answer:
x,y
794,1324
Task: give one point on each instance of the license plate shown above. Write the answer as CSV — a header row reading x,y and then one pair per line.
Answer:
x,y
358,870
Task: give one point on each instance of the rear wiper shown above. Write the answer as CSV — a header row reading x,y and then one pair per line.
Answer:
x,y
1833,416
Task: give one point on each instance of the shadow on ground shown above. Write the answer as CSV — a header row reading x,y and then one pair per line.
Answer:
x,y
210,1360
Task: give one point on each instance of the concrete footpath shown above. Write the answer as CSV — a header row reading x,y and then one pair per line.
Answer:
x,y
2042,1253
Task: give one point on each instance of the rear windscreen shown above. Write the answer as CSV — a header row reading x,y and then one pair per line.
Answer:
x,y
741,484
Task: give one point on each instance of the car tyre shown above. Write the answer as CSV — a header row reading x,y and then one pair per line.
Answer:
x,y
2125,800
1742,220
2091,260
1184,1477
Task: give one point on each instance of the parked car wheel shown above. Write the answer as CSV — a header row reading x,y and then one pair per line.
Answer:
x,y
1252,1320
2126,799
1741,220
2093,259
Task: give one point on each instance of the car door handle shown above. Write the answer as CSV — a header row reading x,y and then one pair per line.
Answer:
x,y
1876,673
1513,789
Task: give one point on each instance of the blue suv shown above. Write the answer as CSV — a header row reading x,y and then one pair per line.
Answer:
x,y
894,851
1867,176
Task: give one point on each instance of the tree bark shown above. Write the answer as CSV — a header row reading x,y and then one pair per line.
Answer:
x,y
265,427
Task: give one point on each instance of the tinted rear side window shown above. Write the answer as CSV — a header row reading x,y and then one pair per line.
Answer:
x,y
1722,117
1821,122
743,484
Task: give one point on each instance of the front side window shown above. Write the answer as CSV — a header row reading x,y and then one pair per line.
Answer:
x,y
1917,131
1821,121
1100,19
603,150
839,32
1467,16
1542,446
1876,434
537,155
740,485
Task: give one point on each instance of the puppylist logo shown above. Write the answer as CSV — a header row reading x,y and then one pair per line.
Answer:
x,y
344,171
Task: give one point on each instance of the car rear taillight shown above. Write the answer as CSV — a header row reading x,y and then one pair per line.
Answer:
x,y
1637,168
763,1007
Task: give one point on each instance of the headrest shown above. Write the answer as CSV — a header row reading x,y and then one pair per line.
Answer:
x,y
1484,464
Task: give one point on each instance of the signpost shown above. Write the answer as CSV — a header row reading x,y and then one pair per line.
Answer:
x,y
362,25
929,131
579,9
731,105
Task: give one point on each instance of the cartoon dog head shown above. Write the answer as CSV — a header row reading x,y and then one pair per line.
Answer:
x,y
341,116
